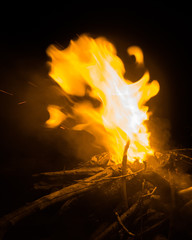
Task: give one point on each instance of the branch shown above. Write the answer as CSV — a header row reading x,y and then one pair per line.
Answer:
x,y
123,226
124,172
115,225
51,180
75,173
50,199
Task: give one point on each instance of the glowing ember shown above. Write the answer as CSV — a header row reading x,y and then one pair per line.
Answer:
x,y
90,67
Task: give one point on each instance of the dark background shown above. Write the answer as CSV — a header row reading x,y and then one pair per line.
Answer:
x,y
163,33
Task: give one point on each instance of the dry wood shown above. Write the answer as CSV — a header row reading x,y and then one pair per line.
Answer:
x,y
52,180
71,193
163,186
47,186
186,193
101,159
123,226
74,173
55,197
115,226
124,172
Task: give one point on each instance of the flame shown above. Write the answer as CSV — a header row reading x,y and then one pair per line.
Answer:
x,y
90,68
56,116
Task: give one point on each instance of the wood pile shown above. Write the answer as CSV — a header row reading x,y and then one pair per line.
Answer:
x,y
150,200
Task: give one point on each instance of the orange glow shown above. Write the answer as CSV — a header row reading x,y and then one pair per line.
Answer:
x,y
56,116
91,67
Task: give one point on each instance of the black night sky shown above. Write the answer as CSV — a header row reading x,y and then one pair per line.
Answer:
x,y
162,32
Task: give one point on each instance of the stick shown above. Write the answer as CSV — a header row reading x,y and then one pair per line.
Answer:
x,y
186,193
180,155
123,226
163,186
124,171
115,226
50,199
181,149
60,176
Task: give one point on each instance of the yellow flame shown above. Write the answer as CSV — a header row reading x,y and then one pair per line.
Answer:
x,y
91,67
56,116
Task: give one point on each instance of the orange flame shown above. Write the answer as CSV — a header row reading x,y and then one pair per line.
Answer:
x,y
90,67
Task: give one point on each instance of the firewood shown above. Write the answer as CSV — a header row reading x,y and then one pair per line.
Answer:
x,y
163,186
55,197
47,186
123,226
115,225
58,179
124,172
100,160
78,173
99,178
186,193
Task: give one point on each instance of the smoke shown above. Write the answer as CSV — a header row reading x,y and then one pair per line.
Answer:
x,y
160,129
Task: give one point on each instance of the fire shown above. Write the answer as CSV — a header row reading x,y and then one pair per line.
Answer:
x,y
90,69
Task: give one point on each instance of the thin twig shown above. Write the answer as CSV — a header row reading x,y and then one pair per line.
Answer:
x,y
185,156
124,172
180,154
181,149
122,225
149,194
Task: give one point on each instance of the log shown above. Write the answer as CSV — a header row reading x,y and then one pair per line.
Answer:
x,y
55,197
78,173
53,180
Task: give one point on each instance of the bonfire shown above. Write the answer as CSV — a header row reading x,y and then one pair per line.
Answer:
x,y
142,192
